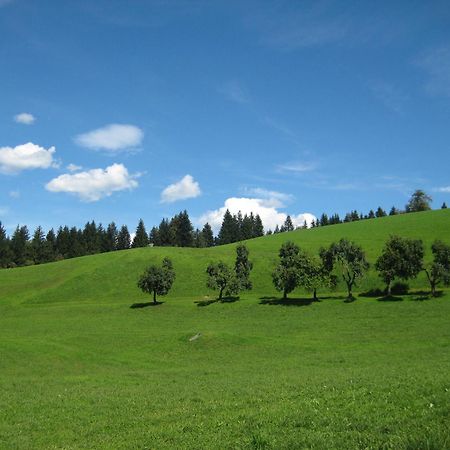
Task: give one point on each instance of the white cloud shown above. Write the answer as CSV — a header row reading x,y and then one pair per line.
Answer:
x,y
296,167
73,167
92,185
187,187
269,214
24,157
14,194
25,118
271,198
445,189
112,138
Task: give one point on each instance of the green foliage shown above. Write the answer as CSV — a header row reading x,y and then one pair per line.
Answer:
x,y
243,267
286,275
157,280
401,258
419,201
351,261
222,278
123,238
141,237
438,271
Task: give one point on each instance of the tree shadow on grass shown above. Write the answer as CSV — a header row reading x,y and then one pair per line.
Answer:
x,y
144,305
286,301
390,298
210,301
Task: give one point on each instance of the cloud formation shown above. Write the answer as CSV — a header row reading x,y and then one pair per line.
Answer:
x,y
187,187
269,214
73,167
92,185
112,138
25,118
25,157
444,189
296,167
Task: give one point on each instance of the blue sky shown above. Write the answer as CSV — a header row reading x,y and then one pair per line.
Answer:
x,y
113,110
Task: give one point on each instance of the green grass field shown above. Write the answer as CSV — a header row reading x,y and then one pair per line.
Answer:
x,y
79,368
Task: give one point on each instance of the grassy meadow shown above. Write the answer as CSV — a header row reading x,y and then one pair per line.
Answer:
x,y
81,368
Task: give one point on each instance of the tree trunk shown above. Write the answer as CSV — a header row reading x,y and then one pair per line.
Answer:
x,y
154,297
388,288
433,288
349,288
221,293
284,294
315,295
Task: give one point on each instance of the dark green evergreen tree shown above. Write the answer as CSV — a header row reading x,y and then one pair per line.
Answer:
x,y
166,233
207,235
380,212
183,230
393,211
258,228
153,237
444,206
141,237
229,230
109,242
37,246
123,238
243,267
19,245
5,251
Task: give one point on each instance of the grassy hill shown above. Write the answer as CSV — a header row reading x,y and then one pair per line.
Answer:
x,y
79,368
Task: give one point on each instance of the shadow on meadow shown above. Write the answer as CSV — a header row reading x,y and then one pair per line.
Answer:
x,y
286,301
145,305
210,301
381,296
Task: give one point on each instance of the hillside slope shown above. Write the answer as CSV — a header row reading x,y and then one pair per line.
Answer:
x,y
112,277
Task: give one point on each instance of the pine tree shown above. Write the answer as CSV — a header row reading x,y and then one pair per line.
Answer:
x,y
393,211
123,238
109,243
247,227
258,228
288,225
19,245
50,246
91,238
229,230
153,237
183,230
208,236
5,251
444,206
63,242
166,233
141,237
37,246
324,220
371,214
243,267
380,212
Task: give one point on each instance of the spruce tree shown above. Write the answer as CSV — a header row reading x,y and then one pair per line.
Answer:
x,y
166,233
444,206
123,238
141,237
153,237
50,246
258,228
5,251
243,267
247,227
37,246
110,238
288,225
229,230
208,236
63,242
19,245
183,230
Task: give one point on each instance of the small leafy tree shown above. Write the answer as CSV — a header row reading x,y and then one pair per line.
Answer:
x,y
419,201
401,258
243,267
350,259
286,275
157,280
438,271
222,278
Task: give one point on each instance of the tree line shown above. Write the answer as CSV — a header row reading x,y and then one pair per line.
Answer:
x,y
401,259
21,248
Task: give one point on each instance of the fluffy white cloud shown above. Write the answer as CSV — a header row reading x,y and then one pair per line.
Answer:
x,y
112,138
187,187
73,167
25,118
271,198
26,156
92,185
445,189
269,214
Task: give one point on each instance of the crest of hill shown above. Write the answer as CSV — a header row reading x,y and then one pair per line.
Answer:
x,y
111,277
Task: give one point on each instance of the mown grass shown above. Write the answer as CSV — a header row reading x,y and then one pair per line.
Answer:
x,y
80,368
